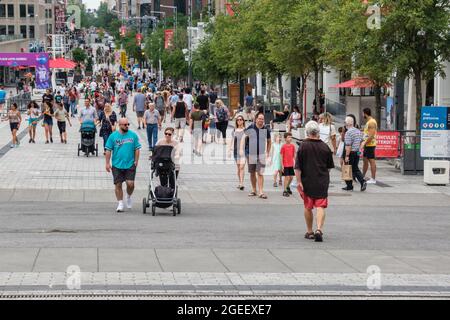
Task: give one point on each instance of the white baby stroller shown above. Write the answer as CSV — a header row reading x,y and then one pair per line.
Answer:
x,y
163,187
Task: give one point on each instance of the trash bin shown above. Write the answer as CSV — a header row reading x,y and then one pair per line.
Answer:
x,y
411,161
436,172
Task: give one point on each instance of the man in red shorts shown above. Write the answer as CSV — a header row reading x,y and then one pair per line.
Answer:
x,y
312,165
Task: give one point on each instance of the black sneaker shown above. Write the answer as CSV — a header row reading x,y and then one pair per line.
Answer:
x,y
347,189
51,139
29,141
318,236
285,194
363,186
289,190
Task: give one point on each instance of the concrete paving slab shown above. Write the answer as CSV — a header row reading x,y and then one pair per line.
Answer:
x,y
208,197
432,262
59,259
17,259
362,259
250,260
311,261
189,260
66,195
30,195
6,194
100,195
135,260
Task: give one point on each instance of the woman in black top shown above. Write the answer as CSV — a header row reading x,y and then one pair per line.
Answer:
x,y
107,118
180,113
48,121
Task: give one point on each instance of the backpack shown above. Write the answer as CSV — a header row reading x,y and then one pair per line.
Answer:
x,y
222,115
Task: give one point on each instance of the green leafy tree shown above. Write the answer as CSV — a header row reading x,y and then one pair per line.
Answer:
x,y
79,55
418,40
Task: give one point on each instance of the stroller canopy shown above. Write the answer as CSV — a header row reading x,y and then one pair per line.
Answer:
x,y
87,125
162,153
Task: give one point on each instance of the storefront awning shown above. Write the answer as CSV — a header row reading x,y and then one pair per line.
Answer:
x,y
61,63
359,82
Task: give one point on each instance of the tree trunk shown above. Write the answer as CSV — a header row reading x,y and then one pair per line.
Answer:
x,y
280,86
269,90
377,115
419,100
316,88
302,92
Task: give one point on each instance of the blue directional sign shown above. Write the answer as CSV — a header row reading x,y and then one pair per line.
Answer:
x,y
435,118
435,132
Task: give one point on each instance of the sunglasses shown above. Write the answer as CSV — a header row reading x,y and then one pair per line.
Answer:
x,y
168,134
125,124
240,119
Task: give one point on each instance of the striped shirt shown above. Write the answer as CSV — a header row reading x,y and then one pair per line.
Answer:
x,y
353,138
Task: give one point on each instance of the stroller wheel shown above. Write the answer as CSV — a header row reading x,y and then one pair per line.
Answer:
x,y
96,150
144,206
174,209
79,149
179,206
153,210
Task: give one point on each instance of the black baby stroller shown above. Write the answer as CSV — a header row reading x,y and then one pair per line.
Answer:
x,y
88,144
163,188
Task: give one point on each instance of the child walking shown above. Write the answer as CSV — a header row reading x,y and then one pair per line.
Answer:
x,y
287,160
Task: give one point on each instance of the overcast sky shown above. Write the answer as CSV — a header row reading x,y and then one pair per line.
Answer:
x,y
92,4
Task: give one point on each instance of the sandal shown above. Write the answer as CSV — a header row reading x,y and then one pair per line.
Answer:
x,y
252,194
262,196
318,236
309,236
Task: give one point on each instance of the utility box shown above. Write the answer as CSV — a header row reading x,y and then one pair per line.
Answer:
x,y
436,172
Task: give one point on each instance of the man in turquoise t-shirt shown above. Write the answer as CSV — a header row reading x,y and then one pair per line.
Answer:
x,y
125,147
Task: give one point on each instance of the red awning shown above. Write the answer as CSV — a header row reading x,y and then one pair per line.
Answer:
x,y
359,82
62,63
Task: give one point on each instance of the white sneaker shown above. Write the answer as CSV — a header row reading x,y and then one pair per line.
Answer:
x,y
129,202
120,207
371,181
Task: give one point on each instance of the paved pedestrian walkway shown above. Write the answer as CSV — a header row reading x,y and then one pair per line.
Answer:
x,y
58,211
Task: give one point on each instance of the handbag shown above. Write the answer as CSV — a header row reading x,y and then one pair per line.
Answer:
x,y
347,174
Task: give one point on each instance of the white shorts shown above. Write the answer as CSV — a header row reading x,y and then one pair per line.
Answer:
x,y
180,123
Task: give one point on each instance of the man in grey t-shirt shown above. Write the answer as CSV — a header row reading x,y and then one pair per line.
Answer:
x,y
139,107
88,112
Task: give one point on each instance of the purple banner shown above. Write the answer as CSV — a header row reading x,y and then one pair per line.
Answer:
x,y
37,60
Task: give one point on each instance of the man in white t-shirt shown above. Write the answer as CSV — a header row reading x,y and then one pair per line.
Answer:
x,y
93,86
187,97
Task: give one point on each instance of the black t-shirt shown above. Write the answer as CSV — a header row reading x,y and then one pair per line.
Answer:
x,y
58,98
283,117
314,158
212,97
203,102
47,98
180,110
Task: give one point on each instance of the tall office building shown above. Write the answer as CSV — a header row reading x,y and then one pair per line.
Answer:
x,y
24,25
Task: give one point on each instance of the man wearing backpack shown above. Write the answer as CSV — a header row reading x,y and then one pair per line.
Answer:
x,y
249,101
222,116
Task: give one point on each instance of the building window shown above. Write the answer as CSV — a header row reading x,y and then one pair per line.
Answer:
x,y
2,10
10,11
31,32
50,15
49,28
11,30
2,30
23,31
23,11
31,11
